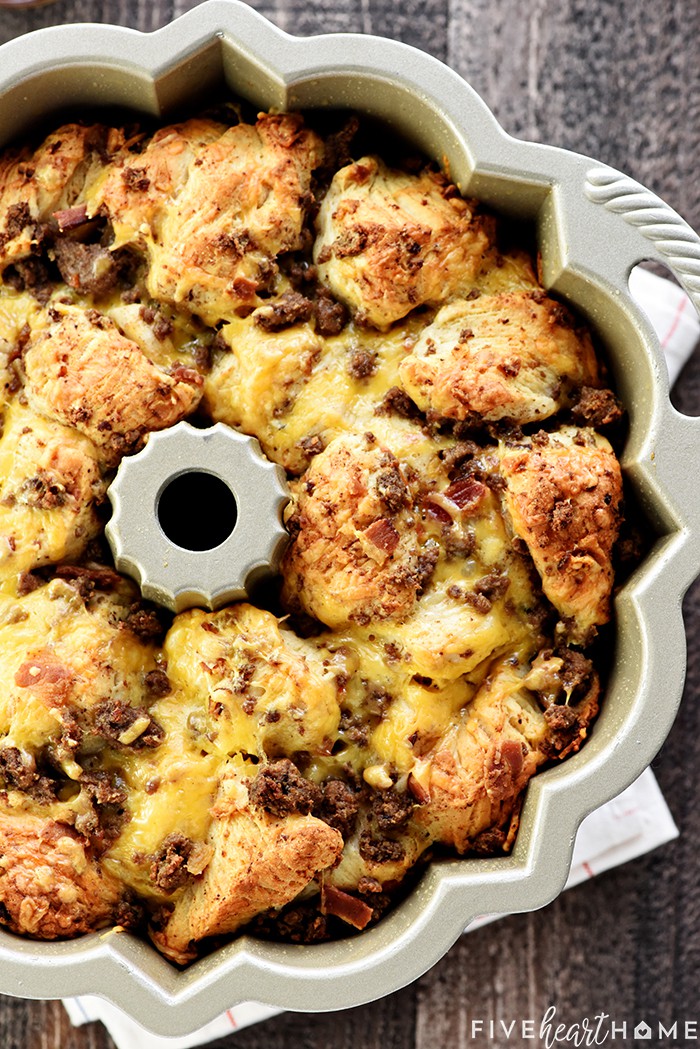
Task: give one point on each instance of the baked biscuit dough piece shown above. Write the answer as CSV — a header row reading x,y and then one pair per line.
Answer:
x,y
50,885
563,496
355,555
259,861
446,637
513,355
476,772
135,190
59,662
389,241
264,691
244,202
50,485
36,183
81,371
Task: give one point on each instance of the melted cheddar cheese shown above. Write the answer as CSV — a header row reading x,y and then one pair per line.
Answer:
x,y
283,764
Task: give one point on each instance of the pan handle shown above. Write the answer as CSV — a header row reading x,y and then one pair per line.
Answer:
x,y
656,231
667,237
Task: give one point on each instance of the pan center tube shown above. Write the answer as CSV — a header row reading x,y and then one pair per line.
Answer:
x,y
197,510
197,516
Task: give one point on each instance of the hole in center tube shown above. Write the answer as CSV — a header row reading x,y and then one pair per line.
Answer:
x,y
197,511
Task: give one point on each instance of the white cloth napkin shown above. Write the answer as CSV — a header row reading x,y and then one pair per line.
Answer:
x,y
635,822
672,315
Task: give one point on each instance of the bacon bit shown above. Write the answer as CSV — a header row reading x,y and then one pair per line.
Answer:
x,y
343,905
383,535
418,791
359,173
504,769
46,676
35,672
181,373
466,494
436,511
244,288
71,218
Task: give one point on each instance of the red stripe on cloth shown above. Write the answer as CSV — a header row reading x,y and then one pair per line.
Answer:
x,y
587,868
682,303
231,1018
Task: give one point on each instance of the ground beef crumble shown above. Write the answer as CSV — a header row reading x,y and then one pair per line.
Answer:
x,y
42,492
89,268
157,683
391,489
113,719
489,843
576,671
596,407
291,308
281,790
104,816
339,806
362,364
380,850
32,275
145,623
563,725
311,445
391,809
20,773
17,218
87,579
299,923
103,788
168,870
331,315
397,402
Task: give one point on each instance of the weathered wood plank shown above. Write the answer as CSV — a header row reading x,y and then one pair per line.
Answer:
x,y
620,82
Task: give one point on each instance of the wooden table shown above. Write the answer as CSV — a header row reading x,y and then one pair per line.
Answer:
x,y
621,82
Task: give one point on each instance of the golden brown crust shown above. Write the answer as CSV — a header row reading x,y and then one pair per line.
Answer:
x,y
223,209
82,372
59,661
356,555
563,496
475,773
514,355
259,862
472,781
389,241
50,886
137,188
36,183
235,761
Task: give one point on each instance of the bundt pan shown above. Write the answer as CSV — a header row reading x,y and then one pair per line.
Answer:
x,y
593,225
